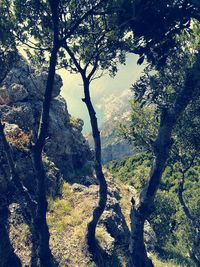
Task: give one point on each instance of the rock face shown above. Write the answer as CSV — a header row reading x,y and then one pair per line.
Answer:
x,y
113,145
117,150
21,95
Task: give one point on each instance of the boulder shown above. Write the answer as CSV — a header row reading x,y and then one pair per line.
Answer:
x,y
12,130
17,92
114,221
24,81
36,84
20,113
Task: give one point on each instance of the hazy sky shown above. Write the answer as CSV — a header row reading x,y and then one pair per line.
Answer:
x,y
101,88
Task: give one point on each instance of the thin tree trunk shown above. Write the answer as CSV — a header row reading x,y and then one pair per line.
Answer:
x,y
42,230
194,224
162,146
91,228
39,227
46,258
40,223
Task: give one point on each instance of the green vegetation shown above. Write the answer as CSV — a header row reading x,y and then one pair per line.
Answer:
x,y
174,231
131,170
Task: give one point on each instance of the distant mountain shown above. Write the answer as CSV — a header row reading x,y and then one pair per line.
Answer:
x,y
116,111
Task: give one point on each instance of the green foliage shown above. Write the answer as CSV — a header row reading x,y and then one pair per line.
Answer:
x,y
142,128
132,170
8,51
163,219
90,34
163,263
155,36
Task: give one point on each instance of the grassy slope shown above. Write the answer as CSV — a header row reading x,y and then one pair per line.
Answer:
x,y
67,218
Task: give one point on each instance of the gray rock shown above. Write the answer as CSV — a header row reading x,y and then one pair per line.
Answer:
x,y
4,96
17,92
33,81
12,130
115,223
21,97
19,113
113,218
78,187
117,150
36,85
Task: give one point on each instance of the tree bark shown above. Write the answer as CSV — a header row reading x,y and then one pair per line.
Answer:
x,y
40,224
91,227
44,252
162,146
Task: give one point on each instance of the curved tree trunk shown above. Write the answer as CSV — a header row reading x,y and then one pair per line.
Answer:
x,y
91,228
138,254
194,224
162,146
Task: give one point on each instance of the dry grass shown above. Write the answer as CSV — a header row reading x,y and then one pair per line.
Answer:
x,y
67,218
158,263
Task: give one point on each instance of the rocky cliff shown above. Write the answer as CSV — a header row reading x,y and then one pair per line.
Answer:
x,y
21,95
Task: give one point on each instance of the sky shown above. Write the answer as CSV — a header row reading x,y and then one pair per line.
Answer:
x,y
101,89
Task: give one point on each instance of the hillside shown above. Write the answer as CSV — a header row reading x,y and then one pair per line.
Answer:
x,y
116,111
68,215
174,231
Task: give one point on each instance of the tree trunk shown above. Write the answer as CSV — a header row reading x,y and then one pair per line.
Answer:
x,y
162,146
138,254
91,228
34,248
40,224
8,258
194,224
41,228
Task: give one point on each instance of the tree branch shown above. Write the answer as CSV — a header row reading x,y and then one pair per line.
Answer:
x,y
70,31
71,54
181,199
